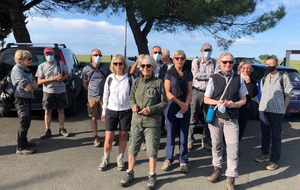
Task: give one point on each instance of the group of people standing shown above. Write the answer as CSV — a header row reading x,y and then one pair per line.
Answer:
x,y
161,95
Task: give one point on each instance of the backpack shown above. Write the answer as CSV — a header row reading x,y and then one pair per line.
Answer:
x,y
7,89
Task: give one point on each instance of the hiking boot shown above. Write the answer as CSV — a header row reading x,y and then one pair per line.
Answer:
x,y
103,165
166,165
97,142
25,151
120,163
152,181
63,132
143,146
47,133
184,168
129,177
271,166
190,145
230,183
207,146
215,175
30,144
262,158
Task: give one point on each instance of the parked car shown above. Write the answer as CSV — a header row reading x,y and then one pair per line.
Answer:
x,y
62,53
259,72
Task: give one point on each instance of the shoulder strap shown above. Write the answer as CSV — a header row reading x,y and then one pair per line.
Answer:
x,y
129,80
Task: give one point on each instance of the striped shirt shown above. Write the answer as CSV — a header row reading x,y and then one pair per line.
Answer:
x,y
272,94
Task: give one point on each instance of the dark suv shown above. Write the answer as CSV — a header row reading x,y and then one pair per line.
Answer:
x,y
62,53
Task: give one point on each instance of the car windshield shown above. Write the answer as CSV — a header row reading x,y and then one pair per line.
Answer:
x,y
293,75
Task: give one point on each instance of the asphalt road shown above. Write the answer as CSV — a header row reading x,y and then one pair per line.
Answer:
x,y
71,163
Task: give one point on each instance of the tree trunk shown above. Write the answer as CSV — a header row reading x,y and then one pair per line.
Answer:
x,y
18,22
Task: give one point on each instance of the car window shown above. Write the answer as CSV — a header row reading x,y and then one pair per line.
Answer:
x,y
293,75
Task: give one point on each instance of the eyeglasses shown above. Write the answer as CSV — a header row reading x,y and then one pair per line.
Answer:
x,y
157,52
29,59
96,55
225,62
147,65
179,58
117,63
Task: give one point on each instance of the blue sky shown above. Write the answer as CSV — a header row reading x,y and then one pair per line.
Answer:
x,y
82,33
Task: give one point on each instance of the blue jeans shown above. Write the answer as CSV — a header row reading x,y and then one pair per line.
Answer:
x,y
172,125
270,124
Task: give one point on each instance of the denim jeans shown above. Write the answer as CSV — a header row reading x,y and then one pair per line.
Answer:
x,y
23,106
270,124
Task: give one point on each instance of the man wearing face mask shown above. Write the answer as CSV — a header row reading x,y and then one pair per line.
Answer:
x,y
93,79
51,75
202,68
276,91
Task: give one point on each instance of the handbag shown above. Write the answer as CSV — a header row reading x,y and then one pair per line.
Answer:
x,y
211,112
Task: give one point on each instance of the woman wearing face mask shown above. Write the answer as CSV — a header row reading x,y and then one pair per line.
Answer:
x,y
24,83
244,70
93,80
276,91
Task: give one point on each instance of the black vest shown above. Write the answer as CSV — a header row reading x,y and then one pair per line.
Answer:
x,y
232,93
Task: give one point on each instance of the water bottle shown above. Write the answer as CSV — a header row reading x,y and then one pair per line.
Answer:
x,y
210,114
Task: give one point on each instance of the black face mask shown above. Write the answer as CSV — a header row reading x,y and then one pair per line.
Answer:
x,y
270,69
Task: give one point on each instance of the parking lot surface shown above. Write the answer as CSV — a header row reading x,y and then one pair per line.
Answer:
x,y
71,163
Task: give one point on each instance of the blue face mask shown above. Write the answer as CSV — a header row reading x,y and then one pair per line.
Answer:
x,y
207,54
157,57
49,58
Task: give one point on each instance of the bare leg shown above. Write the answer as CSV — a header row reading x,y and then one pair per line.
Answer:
x,y
152,164
48,118
94,125
109,137
123,135
61,117
131,162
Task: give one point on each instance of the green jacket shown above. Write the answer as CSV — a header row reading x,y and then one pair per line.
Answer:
x,y
148,93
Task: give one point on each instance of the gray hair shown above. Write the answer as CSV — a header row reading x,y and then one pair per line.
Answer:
x,y
242,63
166,52
273,58
21,55
178,52
223,55
149,60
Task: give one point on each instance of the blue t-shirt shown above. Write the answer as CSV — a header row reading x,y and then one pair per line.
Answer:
x,y
95,76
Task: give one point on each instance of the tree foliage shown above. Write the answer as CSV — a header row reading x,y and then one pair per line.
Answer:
x,y
264,56
225,20
15,13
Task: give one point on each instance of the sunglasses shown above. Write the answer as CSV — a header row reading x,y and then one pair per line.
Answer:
x,y
157,52
117,63
96,55
29,59
225,62
179,58
147,65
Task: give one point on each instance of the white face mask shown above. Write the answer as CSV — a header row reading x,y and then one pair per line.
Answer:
x,y
157,57
97,59
49,58
221,108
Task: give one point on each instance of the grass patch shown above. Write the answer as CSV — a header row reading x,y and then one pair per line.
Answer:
x,y
86,59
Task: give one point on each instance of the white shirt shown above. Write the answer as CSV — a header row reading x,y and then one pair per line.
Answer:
x,y
116,96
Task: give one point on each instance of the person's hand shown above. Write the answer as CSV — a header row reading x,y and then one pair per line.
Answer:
x,y
229,104
34,84
247,79
182,111
144,111
102,117
135,108
28,88
184,106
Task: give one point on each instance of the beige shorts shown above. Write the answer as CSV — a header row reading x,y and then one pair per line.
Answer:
x,y
94,107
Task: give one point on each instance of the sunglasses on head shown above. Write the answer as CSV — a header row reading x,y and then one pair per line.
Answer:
x,y
117,63
179,58
157,52
146,65
95,55
225,62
